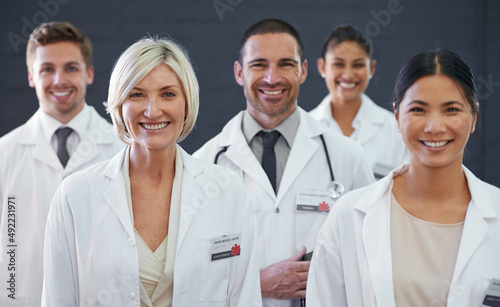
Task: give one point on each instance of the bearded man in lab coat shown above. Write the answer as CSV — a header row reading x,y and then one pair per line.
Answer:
x,y
64,136
291,196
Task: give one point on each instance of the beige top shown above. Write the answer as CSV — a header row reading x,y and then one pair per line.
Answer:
x,y
156,269
423,258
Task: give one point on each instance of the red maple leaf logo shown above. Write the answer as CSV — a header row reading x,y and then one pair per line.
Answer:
x,y
235,250
324,207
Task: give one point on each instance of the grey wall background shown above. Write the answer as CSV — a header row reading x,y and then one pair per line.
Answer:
x,y
211,30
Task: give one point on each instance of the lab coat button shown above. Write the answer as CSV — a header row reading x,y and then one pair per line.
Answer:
x,y
131,296
131,241
277,210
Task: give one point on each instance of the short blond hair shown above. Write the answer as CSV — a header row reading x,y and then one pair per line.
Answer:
x,y
135,63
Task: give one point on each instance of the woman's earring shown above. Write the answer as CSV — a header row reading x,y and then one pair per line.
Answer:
x,y
323,76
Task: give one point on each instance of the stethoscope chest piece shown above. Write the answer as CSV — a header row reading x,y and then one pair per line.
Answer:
x,y
336,189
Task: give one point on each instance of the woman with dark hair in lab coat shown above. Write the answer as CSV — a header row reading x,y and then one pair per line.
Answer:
x,y
428,233
347,66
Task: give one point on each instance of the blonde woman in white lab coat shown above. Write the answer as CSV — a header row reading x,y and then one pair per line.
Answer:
x,y
347,66
428,233
153,226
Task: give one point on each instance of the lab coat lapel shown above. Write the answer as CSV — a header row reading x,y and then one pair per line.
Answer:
x,y
240,154
476,227
32,135
370,118
87,149
192,197
115,194
303,148
377,241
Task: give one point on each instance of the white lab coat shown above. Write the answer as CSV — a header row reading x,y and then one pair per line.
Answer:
x,y
31,172
90,250
352,263
281,235
377,133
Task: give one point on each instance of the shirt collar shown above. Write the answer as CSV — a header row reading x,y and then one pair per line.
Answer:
x,y
79,123
287,128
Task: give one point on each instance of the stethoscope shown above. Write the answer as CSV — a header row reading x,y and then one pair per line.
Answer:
x,y
336,189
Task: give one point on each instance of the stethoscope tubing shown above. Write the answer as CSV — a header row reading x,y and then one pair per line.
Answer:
x,y
224,149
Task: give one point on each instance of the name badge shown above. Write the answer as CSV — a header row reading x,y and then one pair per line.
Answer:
x,y
314,201
225,247
492,294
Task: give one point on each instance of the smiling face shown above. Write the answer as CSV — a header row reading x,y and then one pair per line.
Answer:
x,y
435,121
60,78
347,70
155,108
271,73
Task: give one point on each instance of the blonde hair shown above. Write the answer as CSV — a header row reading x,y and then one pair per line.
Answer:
x,y
135,63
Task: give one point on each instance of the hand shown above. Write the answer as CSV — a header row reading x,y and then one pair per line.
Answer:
x,y
286,279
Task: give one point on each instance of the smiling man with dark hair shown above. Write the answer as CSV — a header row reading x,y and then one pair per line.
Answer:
x,y
287,160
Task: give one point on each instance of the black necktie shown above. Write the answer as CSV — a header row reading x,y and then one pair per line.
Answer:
x,y
268,156
62,151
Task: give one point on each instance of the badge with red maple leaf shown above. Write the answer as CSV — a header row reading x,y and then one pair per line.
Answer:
x,y
314,201
324,207
225,247
235,250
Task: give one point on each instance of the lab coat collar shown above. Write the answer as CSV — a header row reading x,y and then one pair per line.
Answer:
x,y
323,113
368,116
229,134
194,197
368,108
240,154
98,132
376,236
114,193
302,151
113,168
97,129
480,214
191,199
79,123
309,125
479,194
375,204
31,134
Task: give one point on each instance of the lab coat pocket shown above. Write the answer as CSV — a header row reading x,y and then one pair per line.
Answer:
x,y
307,227
214,279
311,210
